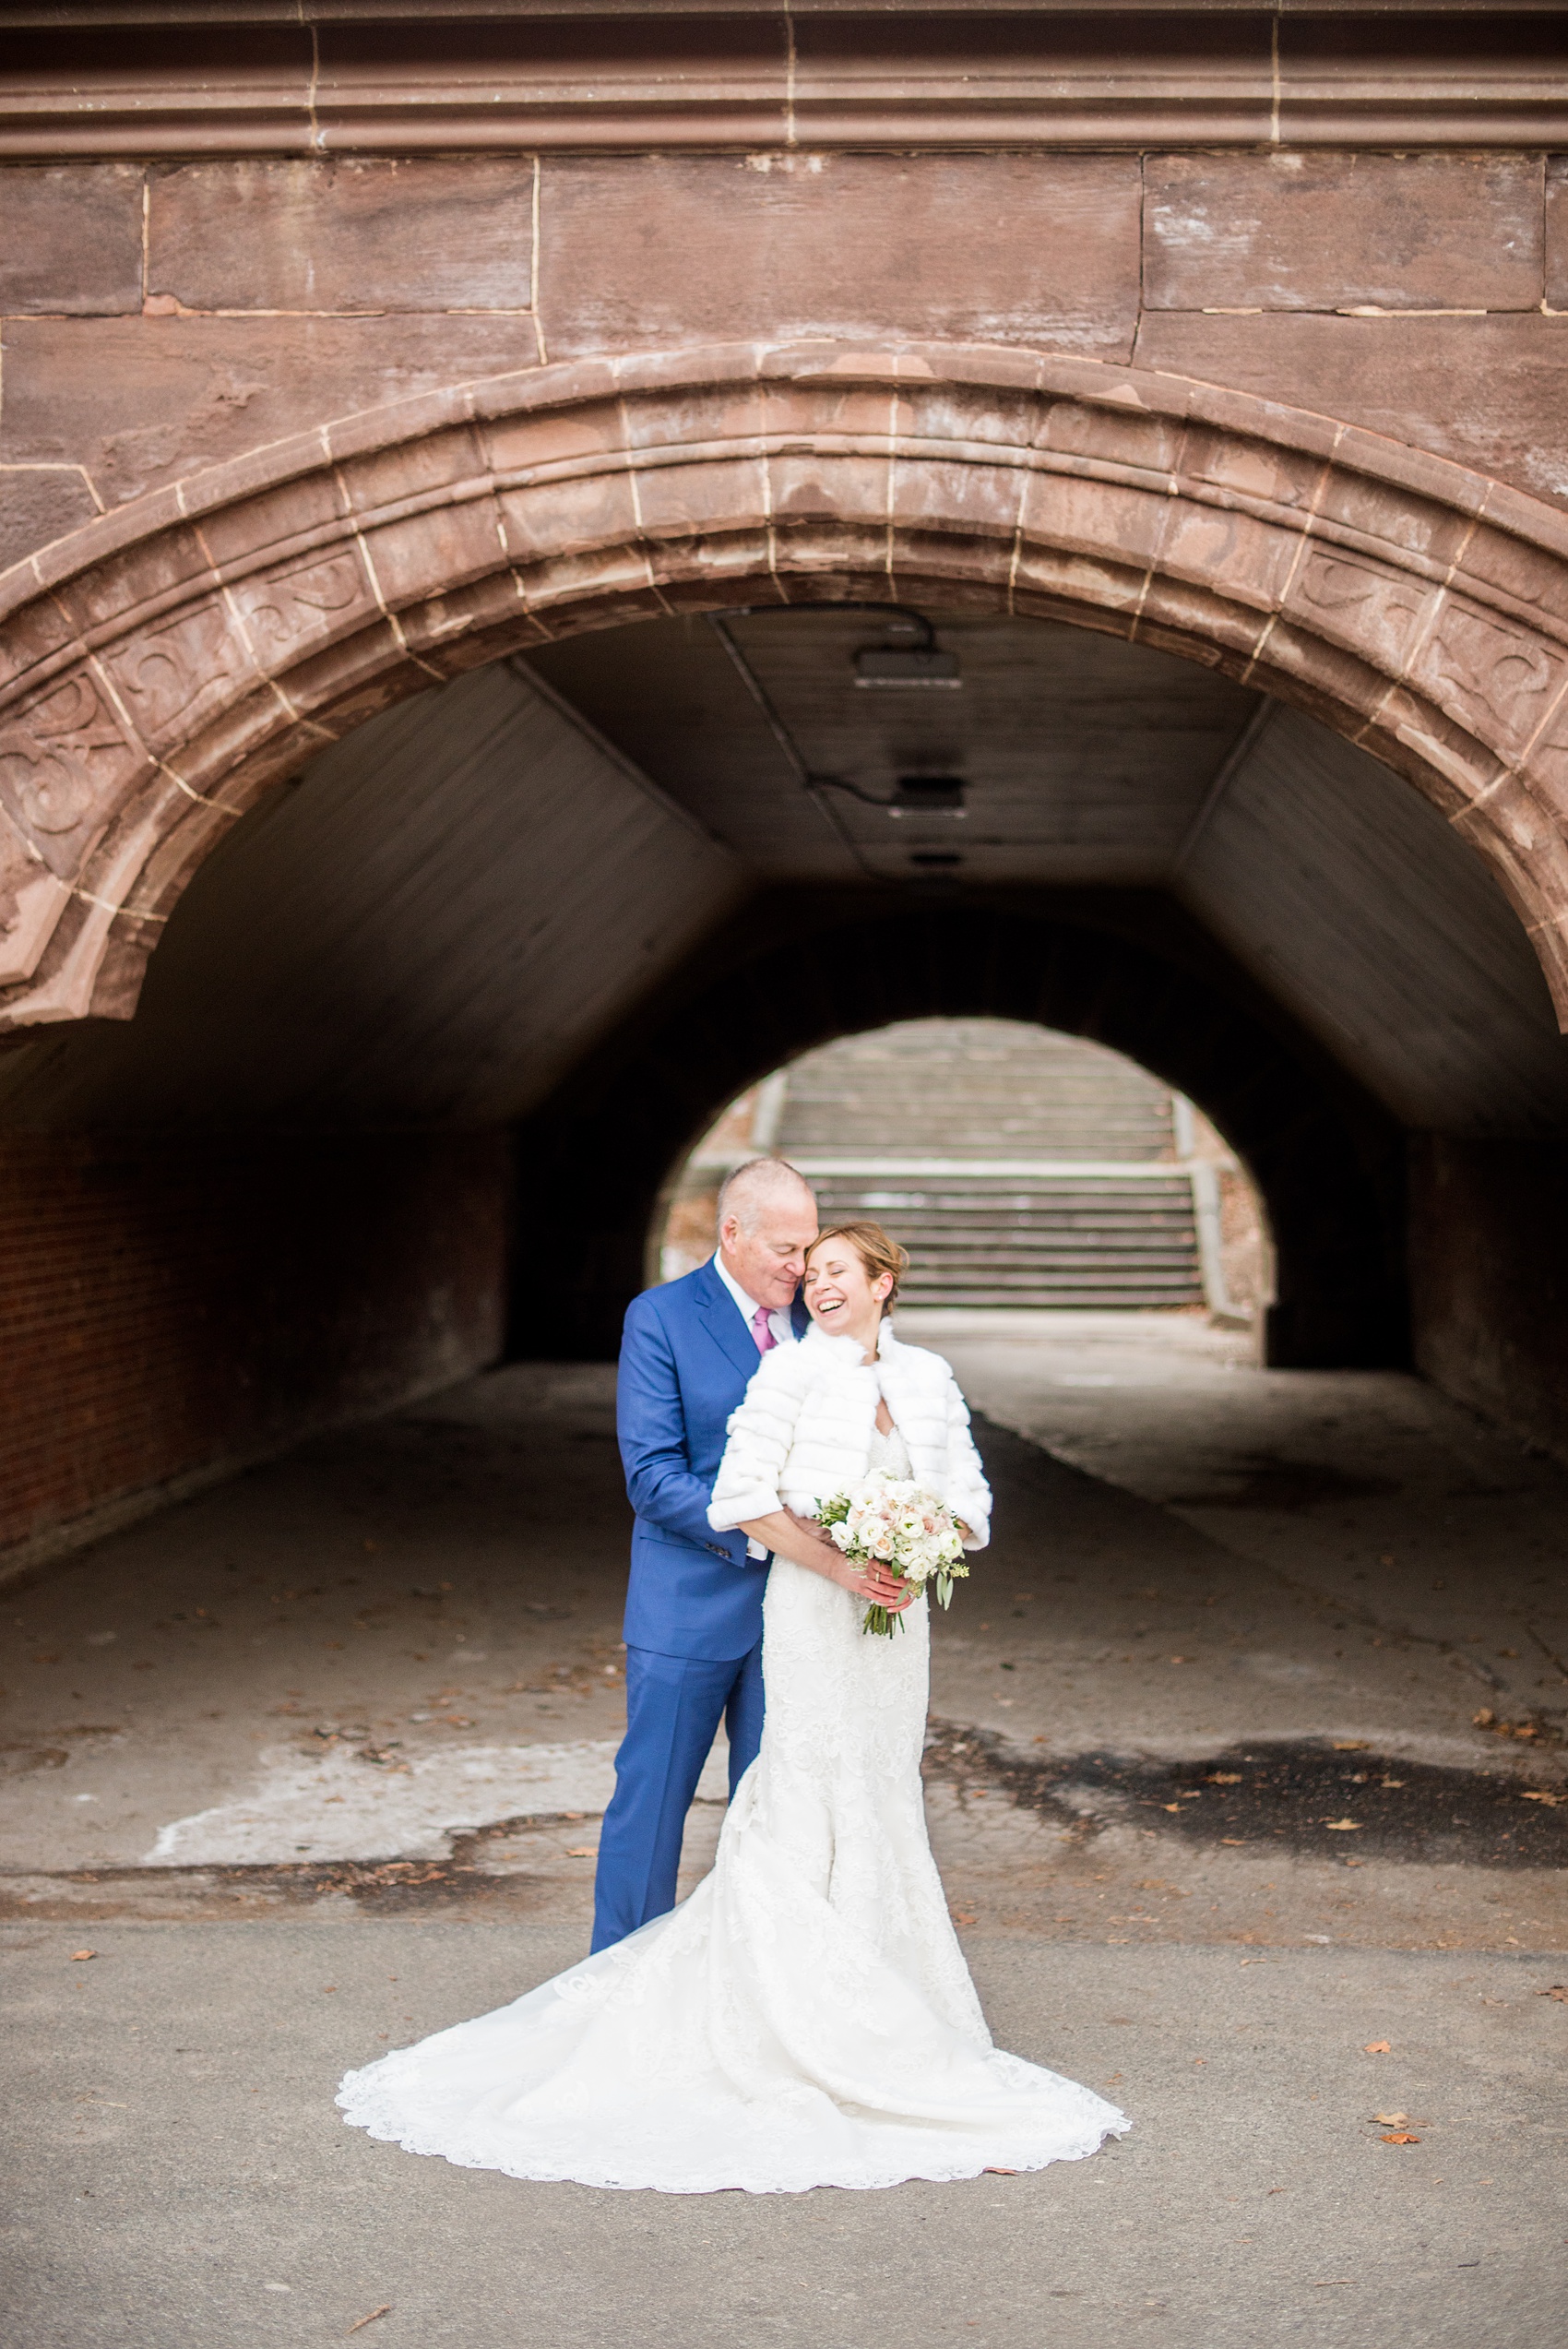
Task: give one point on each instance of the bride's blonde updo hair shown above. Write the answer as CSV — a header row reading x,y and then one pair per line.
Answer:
x,y
877,1252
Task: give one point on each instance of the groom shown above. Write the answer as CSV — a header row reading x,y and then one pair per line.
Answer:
x,y
693,1604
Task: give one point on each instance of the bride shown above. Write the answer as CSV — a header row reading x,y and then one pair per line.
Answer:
x,y
806,2018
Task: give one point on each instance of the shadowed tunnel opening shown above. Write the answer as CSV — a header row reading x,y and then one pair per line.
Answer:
x,y
1127,968
428,1030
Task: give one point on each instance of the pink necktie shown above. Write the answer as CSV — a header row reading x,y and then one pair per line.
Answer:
x,y
765,1341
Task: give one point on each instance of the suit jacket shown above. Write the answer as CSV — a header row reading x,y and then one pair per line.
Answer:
x,y
686,1361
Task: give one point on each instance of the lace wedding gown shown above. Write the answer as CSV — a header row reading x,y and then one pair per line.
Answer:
x,y
805,2018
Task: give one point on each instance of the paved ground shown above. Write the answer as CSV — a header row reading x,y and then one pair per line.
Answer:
x,y
312,1763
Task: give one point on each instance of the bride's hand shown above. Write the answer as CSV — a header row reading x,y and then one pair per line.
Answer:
x,y
875,1585
804,1540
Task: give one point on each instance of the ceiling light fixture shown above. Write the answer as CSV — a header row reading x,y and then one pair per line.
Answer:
x,y
928,795
887,667
908,657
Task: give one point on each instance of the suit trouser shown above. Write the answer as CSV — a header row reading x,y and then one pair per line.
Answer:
x,y
673,1707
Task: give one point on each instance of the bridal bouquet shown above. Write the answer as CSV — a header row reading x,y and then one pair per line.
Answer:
x,y
903,1527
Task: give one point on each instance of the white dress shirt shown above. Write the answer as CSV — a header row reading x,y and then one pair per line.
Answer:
x,y
783,1330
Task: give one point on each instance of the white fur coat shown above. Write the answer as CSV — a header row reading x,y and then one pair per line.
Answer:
x,y
804,1431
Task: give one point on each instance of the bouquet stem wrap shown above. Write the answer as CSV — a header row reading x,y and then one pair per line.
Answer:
x,y
903,1527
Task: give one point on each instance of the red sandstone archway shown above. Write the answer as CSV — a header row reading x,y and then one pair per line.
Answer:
x,y
163,666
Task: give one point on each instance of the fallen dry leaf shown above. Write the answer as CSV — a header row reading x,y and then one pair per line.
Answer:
x,y
1558,1990
1377,2047
1352,1744
1234,1839
1400,2137
993,2172
1540,1795
1224,1778
1484,1719
963,1917
582,1852
78,1955
1391,2120
385,2308
1170,1807
1342,1826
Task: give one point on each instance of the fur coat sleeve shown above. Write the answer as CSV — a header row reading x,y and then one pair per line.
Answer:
x,y
805,1430
968,1495
762,1437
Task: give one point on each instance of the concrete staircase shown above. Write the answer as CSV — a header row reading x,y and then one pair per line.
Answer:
x,y
1018,1166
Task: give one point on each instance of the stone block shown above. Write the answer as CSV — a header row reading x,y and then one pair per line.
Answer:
x,y
126,586
142,401
292,608
1071,578
70,239
655,250
1370,608
1232,556
817,557
426,553
812,486
1484,392
617,577
1557,232
1251,473
1498,681
445,630
38,505
1315,231
569,518
1095,517
955,497
275,521
344,683
1529,580
527,445
956,558
168,678
32,901
685,500
1367,515
407,233
413,470
1118,443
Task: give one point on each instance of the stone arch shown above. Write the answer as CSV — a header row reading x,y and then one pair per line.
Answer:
x,y
163,666
1128,967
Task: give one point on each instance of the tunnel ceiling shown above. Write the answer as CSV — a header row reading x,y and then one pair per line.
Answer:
x,y
457,900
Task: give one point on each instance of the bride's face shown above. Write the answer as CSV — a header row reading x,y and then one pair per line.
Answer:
x,y
840,1297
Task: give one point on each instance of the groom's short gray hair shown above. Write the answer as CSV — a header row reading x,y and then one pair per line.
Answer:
x,y
744,1188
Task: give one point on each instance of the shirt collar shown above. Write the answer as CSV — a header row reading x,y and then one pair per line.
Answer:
x,y
780,1319
748,1305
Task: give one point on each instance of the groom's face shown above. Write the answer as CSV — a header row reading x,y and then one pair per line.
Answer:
x,y
768,1260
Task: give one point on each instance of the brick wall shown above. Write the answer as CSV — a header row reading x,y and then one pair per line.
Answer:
x,y
1489,1278
169,1304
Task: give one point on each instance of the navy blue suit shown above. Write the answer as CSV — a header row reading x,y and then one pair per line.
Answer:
x,y
694,1603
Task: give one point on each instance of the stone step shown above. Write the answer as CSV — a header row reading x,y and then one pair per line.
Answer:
x,y
1054,1238
1069,1202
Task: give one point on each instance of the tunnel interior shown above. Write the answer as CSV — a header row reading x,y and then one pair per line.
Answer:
x,y
428,1030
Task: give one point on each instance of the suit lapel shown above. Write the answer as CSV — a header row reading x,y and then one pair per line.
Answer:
x,y
725,1326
